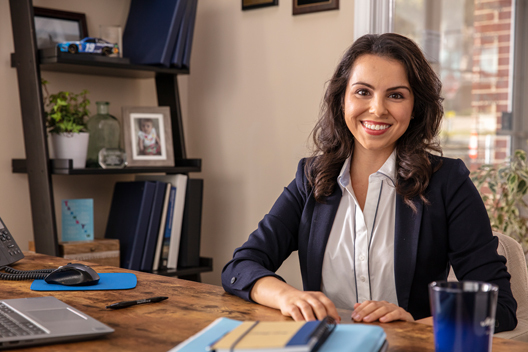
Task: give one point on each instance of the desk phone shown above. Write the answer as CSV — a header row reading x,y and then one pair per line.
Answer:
x,y
9,250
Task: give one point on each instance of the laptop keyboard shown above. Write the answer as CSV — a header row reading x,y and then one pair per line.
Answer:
x,y
13,324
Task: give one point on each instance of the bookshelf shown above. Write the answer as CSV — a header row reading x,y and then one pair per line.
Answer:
x,y
29,62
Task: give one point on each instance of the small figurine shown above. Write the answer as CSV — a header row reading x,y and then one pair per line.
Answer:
x,y
90,46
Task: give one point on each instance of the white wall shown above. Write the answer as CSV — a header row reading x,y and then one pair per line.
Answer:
x,y
253,95
254,92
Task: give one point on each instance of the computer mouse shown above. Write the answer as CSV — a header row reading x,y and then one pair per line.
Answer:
x,y
73,274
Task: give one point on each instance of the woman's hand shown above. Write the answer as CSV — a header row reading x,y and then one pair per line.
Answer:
x,y
306,305
300,305
369,311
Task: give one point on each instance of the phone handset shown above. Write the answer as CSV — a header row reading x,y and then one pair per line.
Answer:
x,y
9,250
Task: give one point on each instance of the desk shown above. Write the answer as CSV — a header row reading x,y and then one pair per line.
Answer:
x,y
191,307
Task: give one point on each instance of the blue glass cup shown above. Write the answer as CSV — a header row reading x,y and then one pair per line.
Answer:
x,y
463,315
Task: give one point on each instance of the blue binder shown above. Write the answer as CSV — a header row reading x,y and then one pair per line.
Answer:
x,y
151,31
177,56
129,219
188,42
151,239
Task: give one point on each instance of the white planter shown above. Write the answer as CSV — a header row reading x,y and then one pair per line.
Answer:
x,y
70,146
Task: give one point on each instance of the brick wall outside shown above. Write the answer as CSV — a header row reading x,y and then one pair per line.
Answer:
x,y
491,57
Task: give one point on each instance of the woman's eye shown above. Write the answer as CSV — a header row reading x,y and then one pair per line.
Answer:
x,y
362,92
396,96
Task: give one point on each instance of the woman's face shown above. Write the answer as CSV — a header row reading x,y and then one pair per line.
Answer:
x,y
378,103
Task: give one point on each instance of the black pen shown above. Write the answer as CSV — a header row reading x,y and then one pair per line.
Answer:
x,y
133,303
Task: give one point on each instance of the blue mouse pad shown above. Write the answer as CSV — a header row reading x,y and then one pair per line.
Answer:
x,y
107,281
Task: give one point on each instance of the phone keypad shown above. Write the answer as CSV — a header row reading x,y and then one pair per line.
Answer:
x,y
8,243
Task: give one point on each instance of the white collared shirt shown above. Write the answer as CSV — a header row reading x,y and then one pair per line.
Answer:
x,y
358,262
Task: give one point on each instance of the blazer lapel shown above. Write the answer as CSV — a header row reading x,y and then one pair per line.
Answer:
x,y
322,221
407,230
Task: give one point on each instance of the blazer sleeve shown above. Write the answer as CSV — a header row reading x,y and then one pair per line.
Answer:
x,y
270,244
472,246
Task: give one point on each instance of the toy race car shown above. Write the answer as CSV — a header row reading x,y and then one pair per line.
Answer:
x,y
89,45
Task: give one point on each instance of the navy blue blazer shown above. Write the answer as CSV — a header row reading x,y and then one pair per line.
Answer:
x,y
453,228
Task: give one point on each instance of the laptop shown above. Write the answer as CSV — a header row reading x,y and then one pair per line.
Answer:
x,y
44,320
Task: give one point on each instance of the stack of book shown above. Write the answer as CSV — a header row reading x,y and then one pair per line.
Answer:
x,y
157,221
226,334
160,32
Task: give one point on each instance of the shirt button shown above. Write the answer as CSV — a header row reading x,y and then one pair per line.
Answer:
x,y
362,257
233,280
362,278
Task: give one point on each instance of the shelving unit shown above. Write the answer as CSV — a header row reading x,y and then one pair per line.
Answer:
x,y
29,62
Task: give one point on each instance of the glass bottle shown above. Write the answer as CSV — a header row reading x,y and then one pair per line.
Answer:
x,y
104,133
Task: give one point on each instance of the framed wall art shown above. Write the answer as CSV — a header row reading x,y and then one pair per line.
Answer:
x,y
301,7
255,4
54,26
148,136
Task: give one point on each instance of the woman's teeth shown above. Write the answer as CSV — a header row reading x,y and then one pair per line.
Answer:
x,y
375,127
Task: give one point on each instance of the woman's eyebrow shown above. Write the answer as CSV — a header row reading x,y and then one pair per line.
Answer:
x,y
389,89
363,84
400,87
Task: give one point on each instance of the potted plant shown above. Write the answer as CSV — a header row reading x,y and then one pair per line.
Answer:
x,y
65,118
503,188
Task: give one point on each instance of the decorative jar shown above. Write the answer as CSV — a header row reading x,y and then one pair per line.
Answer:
x,y
104,133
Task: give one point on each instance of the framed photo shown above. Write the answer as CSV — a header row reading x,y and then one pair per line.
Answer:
x,y
307,6
148,136
255,4
54,26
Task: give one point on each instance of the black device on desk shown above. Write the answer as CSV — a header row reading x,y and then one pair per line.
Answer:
x,y
69,275
9,250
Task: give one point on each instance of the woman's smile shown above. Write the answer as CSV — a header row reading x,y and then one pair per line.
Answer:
x,y
375,128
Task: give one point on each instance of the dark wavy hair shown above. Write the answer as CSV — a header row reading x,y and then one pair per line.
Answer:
x,y
333,141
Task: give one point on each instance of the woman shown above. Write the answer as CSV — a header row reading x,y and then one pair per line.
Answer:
x,y
375,217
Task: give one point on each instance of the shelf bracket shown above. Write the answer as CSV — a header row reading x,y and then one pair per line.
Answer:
x,y
33,121
168,95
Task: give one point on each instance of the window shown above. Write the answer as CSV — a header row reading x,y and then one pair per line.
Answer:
x,y
479,48
469,44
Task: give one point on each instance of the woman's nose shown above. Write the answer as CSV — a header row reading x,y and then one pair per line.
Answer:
x,y
377,106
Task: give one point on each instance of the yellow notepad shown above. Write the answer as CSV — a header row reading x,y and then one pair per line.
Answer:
x,y
275,336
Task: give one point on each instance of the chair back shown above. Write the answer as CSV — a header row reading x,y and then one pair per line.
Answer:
x,y
516,265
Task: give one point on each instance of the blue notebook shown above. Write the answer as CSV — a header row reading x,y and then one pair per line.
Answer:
x,y
129,219
177,55
190,33
344,338
151,31
151,240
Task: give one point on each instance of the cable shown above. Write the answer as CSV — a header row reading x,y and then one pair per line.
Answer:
x,y
10,270
14,274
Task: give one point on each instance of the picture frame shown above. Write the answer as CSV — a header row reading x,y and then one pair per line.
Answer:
x,y
255,4
140,127
301,7
55,26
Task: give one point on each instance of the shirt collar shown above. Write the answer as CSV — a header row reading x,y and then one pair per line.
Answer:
x,y
388,170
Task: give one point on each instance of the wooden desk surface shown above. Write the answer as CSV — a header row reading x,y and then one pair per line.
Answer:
x,y
191,307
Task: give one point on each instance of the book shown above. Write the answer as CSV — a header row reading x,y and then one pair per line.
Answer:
x,y
128,219
151,239
189,40
276,336
163,224
163,260
151,31
179,181
179,46
344,338
189,255
77,220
